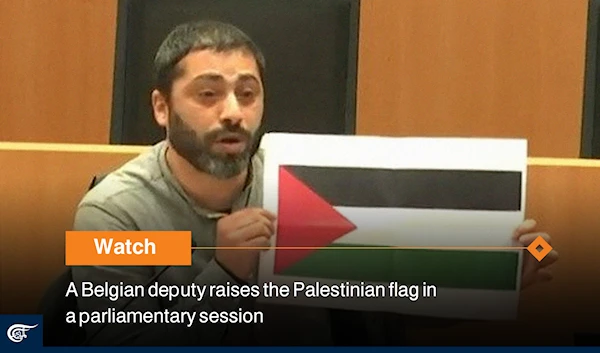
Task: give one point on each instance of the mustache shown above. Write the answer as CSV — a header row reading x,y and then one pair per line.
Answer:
x,y
226,130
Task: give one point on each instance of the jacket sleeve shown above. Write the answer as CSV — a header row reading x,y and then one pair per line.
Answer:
x,y
93,218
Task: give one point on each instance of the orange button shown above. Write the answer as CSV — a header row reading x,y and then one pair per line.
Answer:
x,y
539,242
128,248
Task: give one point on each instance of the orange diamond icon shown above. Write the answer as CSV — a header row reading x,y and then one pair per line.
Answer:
x,y
537,243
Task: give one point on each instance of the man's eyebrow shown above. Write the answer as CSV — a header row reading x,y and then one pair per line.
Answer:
x,y
217,77
208,77
248,77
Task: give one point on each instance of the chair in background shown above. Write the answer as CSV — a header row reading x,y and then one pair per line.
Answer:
x,y
96,180
54,306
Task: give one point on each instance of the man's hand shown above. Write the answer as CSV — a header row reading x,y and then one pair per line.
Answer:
x,y
251,227
534,271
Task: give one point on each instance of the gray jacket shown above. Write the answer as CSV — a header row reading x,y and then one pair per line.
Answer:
x,y
143,195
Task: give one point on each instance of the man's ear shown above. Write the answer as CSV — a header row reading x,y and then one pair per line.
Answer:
x,y
160,107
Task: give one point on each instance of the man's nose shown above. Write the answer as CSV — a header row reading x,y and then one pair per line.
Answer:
x,y
232,110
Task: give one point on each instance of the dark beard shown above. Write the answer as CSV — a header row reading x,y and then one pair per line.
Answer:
x,y
196,149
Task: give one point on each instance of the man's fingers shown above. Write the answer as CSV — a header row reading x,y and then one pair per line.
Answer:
x,y
544,275
253,226
246,213
261,241
526,227
247,217
269,215
259,212
551,258
254,230
528,238
270,225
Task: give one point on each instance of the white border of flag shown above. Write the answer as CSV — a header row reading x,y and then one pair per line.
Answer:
x,y
407,226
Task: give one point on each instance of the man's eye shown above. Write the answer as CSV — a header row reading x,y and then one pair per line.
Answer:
x,y
208,94
247,93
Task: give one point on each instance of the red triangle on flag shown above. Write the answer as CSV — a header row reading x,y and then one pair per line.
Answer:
x,y
304,220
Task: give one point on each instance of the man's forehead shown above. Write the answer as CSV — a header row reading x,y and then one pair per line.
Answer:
x,y
209,64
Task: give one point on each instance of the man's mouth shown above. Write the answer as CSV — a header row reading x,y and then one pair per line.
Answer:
x,y
231,138
231,143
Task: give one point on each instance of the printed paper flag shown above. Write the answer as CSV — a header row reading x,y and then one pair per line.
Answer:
x,y
346,203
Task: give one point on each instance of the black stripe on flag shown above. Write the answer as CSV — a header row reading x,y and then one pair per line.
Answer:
x,y
408,188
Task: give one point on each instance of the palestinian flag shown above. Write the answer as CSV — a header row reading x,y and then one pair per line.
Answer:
x,y
379,210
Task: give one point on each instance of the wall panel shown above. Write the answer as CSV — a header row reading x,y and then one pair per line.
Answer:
x,y
57,70
498,68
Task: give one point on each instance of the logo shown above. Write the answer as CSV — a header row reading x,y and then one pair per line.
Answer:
x,y
17,332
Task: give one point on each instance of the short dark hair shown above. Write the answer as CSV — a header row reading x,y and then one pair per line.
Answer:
x,y
200,35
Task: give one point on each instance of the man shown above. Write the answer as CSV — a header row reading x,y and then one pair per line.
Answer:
x,y
206,177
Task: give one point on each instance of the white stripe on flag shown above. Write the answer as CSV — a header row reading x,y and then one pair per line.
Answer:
x,y
417,227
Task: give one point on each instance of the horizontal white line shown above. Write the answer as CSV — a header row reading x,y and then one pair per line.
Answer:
x,y
68,147
563,162
429,228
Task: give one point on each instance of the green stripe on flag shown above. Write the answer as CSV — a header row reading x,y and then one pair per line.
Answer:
x,y
462,269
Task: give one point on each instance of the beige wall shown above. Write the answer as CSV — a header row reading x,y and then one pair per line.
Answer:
x,y
57,70
507,68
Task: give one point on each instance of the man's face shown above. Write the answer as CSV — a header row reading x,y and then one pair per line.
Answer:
x,y
215,111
